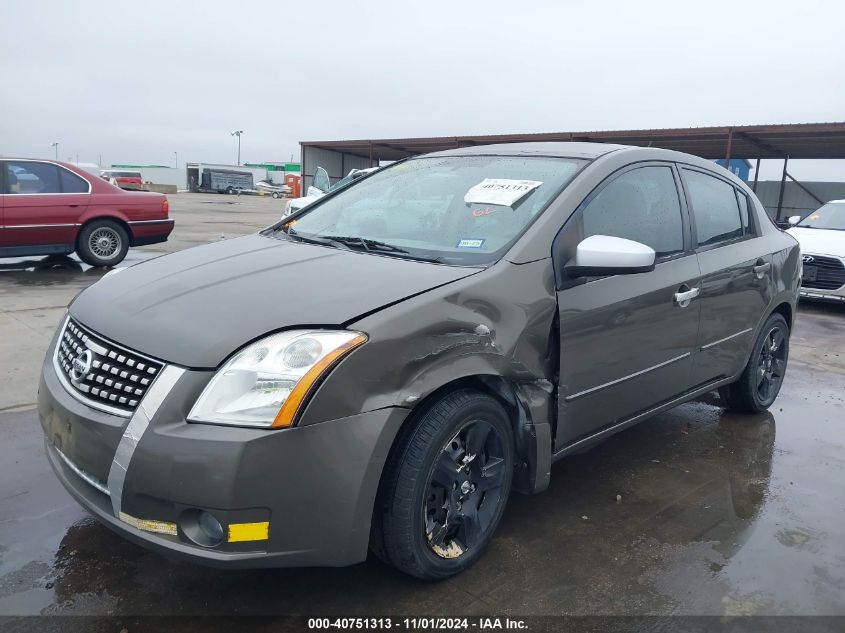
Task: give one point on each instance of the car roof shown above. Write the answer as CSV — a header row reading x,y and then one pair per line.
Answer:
x,y
563,149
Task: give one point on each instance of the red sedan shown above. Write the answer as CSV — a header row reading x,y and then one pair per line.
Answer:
x,y
52,208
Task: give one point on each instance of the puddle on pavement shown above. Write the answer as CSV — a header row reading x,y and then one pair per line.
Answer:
x,y
60,270
717,514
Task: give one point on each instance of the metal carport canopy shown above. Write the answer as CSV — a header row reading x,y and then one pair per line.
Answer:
x,y
800,140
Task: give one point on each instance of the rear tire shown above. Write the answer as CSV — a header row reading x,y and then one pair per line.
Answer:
x,y
761,380
445,487
102,243
275,195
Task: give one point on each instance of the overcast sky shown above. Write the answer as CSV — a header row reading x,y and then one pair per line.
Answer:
x,y
135,82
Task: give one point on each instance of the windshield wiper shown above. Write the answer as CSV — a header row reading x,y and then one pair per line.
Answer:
x,y
369,245
322,241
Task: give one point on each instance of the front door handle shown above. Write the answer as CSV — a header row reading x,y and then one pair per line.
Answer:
x,y
761,268
683,298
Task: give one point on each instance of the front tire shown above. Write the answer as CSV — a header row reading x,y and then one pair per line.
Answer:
x,y
102,243
761,380
446,486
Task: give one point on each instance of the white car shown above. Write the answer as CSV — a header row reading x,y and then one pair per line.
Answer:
x,y
822,238
321,186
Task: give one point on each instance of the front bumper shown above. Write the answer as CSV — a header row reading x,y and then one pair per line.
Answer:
x,y
315,484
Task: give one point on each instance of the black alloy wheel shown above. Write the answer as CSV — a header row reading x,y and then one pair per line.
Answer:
x,y
762,378
771,365
465,488
445,486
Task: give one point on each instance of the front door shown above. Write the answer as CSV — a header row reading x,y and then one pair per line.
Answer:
x,y
736,274
43,204
626,340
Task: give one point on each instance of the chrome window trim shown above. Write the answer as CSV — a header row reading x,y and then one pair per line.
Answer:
x,y
93,403
727,338
85,476
575,396
49,162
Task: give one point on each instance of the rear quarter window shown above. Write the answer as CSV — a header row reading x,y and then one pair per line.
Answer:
x,y
71,183
715,208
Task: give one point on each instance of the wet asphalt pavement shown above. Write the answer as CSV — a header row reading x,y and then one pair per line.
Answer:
x,y
695,511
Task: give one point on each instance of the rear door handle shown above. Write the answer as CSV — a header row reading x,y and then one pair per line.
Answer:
x,y
761,269
683,298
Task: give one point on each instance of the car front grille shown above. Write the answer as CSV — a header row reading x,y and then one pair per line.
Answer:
x,y
101,373
830,275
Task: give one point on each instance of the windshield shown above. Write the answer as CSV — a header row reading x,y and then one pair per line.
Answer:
x,y
460,210
830,216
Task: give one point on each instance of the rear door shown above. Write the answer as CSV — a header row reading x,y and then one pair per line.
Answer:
x,y
43,203
626,341
736,273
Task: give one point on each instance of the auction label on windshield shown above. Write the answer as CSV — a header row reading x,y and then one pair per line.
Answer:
x,y
503,191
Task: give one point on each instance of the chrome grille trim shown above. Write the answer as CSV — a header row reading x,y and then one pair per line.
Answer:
x,y
85,476
830,273
118,378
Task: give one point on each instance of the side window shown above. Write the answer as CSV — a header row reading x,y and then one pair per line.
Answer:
x,y
71,183
714,207
29,177
744,214
640,205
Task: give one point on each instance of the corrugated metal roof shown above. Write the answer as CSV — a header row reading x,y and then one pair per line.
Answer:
x,y
798,140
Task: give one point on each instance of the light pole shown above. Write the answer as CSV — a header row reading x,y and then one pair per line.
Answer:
x,y
55,144
238,134
176,154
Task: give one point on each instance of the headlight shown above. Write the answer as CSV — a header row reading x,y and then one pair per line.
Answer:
x,y
264,384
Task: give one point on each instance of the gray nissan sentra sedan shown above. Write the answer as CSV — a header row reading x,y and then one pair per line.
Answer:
x,y
381,369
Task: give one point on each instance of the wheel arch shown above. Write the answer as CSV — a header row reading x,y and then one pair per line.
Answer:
x,y
523,402
786,310
114,218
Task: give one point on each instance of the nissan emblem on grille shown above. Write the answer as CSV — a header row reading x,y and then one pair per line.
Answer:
x,y
101,373
81,365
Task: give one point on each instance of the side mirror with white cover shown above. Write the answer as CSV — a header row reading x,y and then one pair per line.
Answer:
x,y
600,255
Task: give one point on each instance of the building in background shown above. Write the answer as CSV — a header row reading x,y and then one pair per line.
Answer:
x,y
739,166
276,172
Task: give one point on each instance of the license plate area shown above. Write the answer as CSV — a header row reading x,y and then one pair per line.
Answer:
x,y
809,273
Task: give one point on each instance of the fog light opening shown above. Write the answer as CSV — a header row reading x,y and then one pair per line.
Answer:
x,y
202,528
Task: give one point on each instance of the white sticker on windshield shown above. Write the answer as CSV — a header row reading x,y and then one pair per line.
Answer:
x,y
503,191
470,242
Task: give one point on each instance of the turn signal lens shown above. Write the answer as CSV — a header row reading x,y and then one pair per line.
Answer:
x,y
289,409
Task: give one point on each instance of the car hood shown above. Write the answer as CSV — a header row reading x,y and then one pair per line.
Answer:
x,y
195,307
820,241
